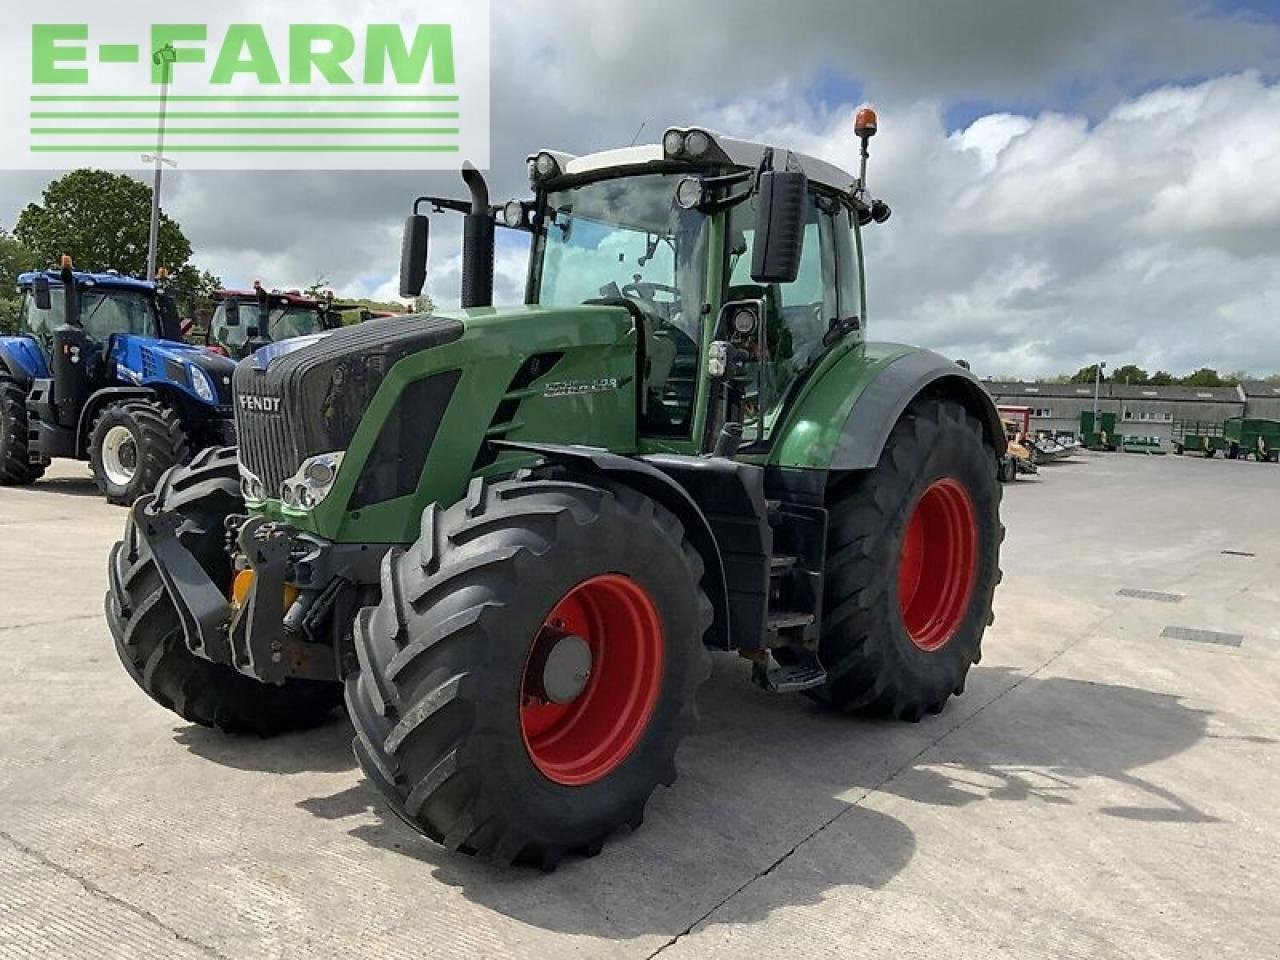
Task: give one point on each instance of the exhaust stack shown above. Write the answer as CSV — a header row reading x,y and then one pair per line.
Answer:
x,y
477,243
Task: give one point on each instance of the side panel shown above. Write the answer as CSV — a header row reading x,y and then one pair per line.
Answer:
x,y
843,418
21,356
581,390
159,364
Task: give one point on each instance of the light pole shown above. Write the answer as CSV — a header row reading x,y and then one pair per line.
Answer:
x,y
164,57
1097,390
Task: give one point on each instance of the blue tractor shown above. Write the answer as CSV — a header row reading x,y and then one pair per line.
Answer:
x,y
98,371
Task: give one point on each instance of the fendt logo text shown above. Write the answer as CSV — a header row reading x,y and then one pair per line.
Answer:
x,y
255,404
406,88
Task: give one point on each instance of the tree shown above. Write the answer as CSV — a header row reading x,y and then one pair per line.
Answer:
x,y
102,220
319,288
1130,374
14,259
192,288
1161,379
1204,377
1087,374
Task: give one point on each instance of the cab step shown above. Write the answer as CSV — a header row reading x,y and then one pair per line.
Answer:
x,y
779,565
806,674
789,620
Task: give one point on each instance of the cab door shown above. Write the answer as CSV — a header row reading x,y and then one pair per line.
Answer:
x,y
823,301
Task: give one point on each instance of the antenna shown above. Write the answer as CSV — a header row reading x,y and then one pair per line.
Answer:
x,y
638,132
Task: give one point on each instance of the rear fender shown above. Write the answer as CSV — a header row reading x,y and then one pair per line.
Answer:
x,y
843,419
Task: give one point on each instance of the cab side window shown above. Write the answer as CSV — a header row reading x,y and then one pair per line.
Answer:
x,y
798,314
40,323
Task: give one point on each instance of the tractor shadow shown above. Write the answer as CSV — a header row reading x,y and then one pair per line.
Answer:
x,y
62,487
765,775
326,749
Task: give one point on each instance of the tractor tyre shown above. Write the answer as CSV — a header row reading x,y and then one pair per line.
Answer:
x,y
1177,450
148,635
912,566
16,468
531,668
131,445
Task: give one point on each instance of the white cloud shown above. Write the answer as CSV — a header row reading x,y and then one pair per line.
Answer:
x,y
1032,241
1034,245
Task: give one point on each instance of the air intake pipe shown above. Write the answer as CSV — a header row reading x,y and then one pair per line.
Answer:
x,y
477,243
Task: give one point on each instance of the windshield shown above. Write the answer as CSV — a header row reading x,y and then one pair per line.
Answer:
x,y
284,324
103,312
627,238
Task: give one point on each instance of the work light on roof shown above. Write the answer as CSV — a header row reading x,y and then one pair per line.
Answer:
x,y
696,144
673,143
545,166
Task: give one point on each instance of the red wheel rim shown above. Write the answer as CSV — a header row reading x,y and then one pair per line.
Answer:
x,y
583,741
938,565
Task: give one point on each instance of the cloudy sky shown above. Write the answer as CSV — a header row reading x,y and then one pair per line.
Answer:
x,y
1070,181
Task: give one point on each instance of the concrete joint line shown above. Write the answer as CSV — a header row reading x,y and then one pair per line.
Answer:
x,y
1084,634
94,890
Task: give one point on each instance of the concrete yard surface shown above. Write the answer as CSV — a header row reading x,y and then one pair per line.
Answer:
x,y
1107,787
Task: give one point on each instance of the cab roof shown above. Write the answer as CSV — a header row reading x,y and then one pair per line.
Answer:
x,y
111,281
294,299
741,154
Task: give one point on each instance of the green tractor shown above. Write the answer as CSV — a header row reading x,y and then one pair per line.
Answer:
x,y
511,534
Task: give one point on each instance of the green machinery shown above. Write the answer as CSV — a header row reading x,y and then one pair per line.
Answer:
x,y
1255,438
1099,433
1198,436
512,533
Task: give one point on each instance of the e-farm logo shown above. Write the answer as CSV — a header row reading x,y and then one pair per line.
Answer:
x,y
251,86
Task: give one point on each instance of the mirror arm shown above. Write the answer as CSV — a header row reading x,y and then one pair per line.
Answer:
x,y
441,204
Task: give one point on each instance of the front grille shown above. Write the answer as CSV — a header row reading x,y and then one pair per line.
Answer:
x,y
310,401
267,442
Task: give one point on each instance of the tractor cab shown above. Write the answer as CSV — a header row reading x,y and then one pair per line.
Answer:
x,y
740,265
104,375
245,320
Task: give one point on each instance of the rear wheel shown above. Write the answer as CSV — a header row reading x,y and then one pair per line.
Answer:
x,y
913,562
148,636
527,677
131,445
16,469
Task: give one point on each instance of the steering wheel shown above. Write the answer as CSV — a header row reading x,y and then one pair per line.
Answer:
x,y
645,291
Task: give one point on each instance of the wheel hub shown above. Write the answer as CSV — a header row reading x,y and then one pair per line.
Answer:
x,y
938,564
592,680
560,667
119,455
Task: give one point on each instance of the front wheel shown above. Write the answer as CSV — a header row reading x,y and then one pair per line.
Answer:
x,y
528,675
131,446
148,634
912,566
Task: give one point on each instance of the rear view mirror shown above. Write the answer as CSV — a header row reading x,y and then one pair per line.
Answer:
x,y
413,255
233,313
780,221
43,300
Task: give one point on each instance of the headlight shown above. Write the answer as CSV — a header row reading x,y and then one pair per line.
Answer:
x,y
673,143
314,481
203,386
